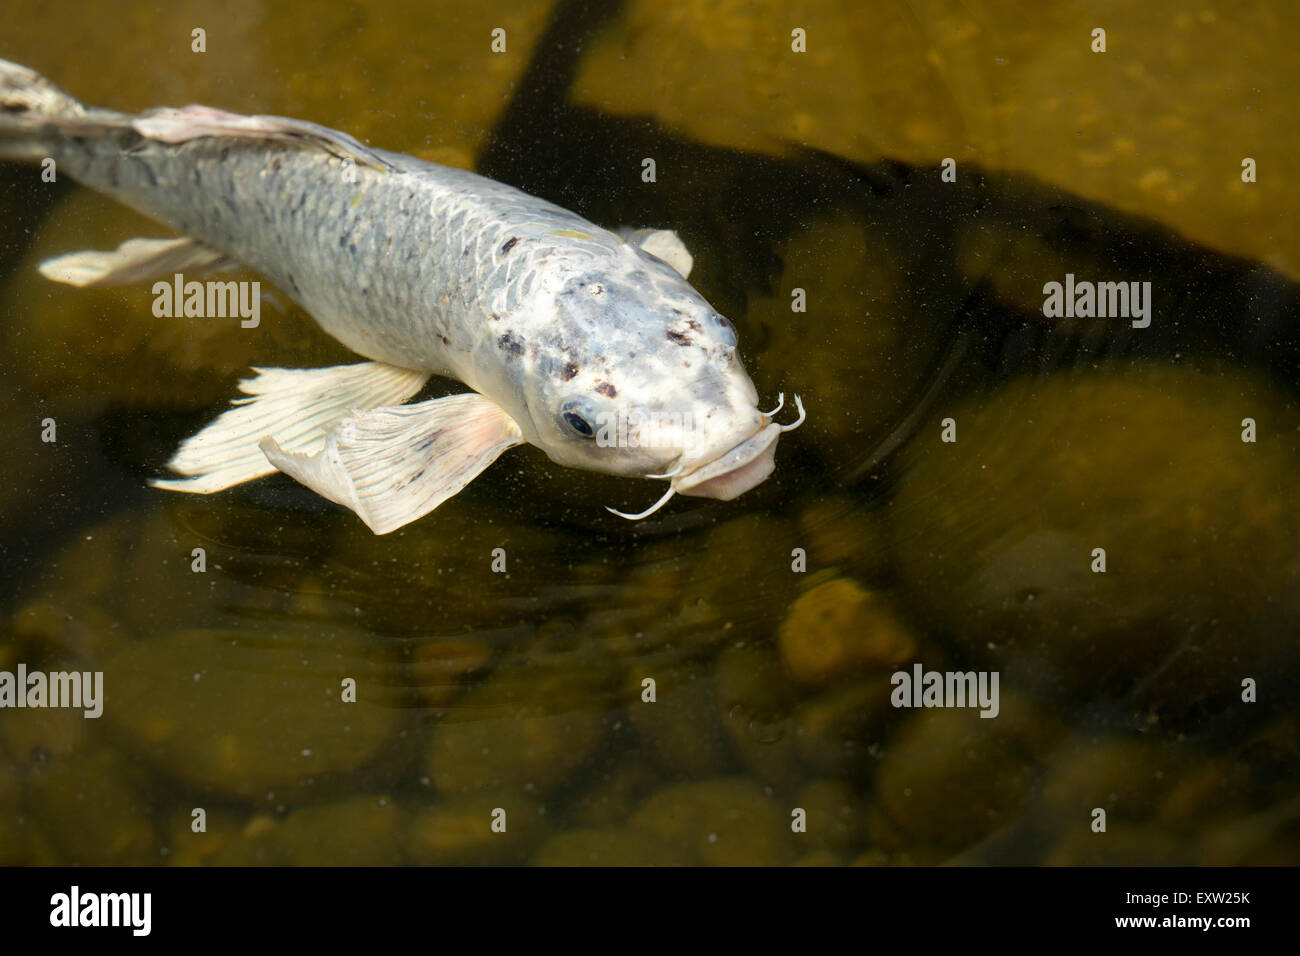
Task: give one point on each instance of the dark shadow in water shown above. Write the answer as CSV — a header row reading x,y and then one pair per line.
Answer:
x,y
983,311
731,207
80,482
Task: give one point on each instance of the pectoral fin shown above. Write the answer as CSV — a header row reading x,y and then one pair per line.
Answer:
x,y
396,464
662,244
296,407
135,260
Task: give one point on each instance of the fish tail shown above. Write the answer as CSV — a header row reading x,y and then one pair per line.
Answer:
x,y
35,114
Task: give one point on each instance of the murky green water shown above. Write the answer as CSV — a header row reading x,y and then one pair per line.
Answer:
x,y
323,695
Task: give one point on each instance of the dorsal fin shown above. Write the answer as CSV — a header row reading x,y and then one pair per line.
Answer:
x,y
170,125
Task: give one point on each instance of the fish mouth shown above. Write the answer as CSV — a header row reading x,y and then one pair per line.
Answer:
x,y
731,475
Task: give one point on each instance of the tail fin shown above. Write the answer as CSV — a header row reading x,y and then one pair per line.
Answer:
x,y
34,113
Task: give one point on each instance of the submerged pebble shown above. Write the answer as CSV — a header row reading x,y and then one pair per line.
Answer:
x,y
838,730
93,809
522,727
720,822
756,702
253,715
365,830
1000,535
683,725
837,627
836,819
490,827
991,763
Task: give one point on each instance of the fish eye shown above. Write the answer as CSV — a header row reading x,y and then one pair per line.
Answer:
x,y
579,416
579,424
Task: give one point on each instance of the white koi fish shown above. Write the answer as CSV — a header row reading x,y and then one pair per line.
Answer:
x,y
589,345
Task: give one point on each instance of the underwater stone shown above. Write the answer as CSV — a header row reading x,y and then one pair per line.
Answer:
x,y
723,822
1126,778
358,831
950,778
623,778
682,725
838,627
756,703
995,534
836,821
458,831
837,730
92,810
248,713
522,727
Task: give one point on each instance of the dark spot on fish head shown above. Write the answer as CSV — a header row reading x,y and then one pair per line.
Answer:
x,y
511,345
606,389
728,330
510,244
681,338
445,340
693,325
568,371
496,315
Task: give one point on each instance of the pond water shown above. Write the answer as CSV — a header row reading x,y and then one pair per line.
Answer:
x,y
1093,517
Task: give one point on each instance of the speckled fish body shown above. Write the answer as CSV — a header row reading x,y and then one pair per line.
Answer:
x,y
561,324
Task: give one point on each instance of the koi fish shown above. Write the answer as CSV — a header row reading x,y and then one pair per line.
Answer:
x,y
587,343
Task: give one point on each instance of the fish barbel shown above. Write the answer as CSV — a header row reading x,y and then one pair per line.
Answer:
x,y
588,344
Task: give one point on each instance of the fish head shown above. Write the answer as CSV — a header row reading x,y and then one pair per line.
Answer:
x,y
640,376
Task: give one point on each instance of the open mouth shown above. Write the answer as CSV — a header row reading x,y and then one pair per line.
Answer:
x,y
731,475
